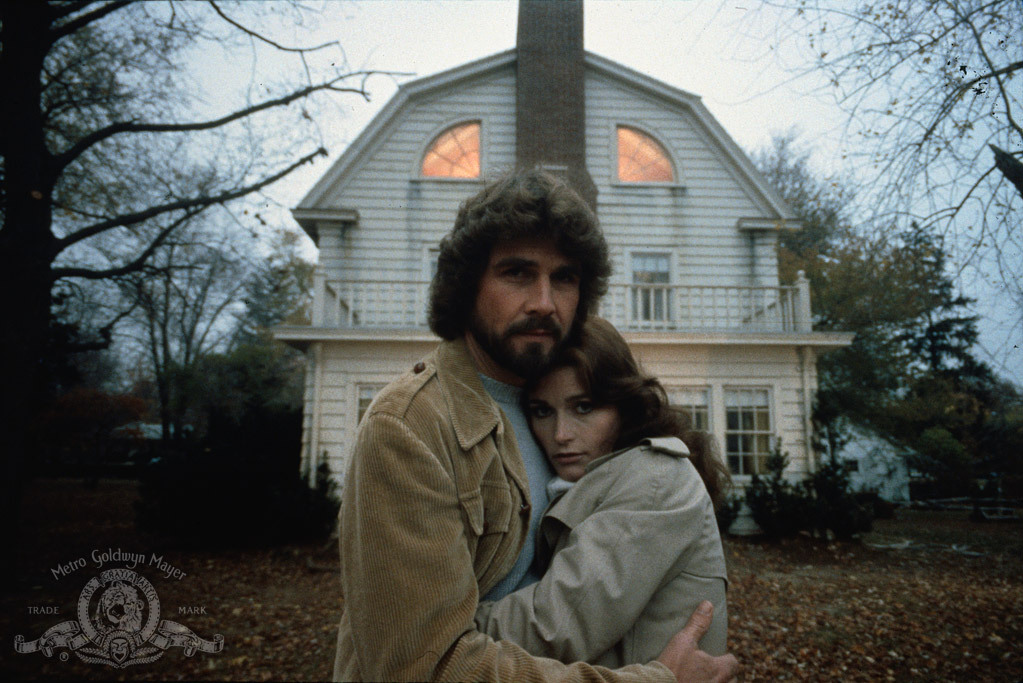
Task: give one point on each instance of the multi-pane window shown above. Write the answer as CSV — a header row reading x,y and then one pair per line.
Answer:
x,y
365,393
455,153
748,433
641,159
696,402
651,299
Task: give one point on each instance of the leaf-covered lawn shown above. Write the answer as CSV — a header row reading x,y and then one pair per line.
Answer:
x,y
799,610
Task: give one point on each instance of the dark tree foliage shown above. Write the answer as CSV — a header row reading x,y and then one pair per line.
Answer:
x,y
823,505
237,486
234,479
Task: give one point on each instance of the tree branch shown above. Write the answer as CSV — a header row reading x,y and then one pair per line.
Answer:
x,y
181,205
106,334
63,159
1010,166
261,37
85,19
67,8
131,266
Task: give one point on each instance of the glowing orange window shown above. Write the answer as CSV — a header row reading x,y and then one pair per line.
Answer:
x,y
641,159
455,153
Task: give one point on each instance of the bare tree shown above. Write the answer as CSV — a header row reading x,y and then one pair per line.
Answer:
x,y
101,145
180,304
932,91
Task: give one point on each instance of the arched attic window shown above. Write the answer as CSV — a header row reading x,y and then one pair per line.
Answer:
x,y
455,153
641,159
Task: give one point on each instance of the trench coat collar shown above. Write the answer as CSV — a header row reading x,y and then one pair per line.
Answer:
x,y
474,414
669,445
571,510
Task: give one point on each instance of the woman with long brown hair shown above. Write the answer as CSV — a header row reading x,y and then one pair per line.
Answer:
x,y
630,535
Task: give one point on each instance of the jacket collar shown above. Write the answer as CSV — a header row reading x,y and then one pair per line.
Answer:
x,y
474,414
669,445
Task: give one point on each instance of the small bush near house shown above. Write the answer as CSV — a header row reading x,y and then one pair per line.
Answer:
x,y
238,486
727,512
780,508
834,507
879,507
823,503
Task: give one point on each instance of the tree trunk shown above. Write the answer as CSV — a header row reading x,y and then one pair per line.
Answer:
x,y
27,248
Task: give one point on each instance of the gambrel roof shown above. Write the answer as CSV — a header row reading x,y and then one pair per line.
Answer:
x,y
727,150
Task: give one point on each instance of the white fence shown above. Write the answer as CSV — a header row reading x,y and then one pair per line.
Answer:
x,y
375,304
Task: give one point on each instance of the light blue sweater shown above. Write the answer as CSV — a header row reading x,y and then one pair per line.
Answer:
x,y
539,472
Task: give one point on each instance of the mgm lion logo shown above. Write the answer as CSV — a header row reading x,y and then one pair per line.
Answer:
x,y
119,625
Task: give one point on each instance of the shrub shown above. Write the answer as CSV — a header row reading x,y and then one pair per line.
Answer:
x,y
834,506
879,507
75,435
821,504
238,486
779,507
727,512
946,459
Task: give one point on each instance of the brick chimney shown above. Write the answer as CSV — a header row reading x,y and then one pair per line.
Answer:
x,y
550,107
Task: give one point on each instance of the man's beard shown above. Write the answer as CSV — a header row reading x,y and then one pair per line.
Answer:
x,y
532,361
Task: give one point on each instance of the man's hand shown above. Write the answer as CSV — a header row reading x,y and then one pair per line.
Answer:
x,y
688,662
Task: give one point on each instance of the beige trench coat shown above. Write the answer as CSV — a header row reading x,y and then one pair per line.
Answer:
x,y
434,511
636,549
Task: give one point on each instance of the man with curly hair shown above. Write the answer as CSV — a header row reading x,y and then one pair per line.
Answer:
x,y
446,485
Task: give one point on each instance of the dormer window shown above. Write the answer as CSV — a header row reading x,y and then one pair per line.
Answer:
x,y
641,159
455,153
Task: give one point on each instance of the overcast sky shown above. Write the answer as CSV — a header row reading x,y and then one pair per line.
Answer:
x,y
723,52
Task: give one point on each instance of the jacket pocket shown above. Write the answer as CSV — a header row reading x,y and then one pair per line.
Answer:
x,y
487,510
472,512
487,517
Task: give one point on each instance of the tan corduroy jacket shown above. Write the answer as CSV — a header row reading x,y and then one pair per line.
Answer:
x,y
434,512
636,549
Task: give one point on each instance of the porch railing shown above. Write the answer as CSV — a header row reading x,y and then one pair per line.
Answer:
x,y
376,304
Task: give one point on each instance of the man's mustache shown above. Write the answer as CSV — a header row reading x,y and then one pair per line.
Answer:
x,y
547,324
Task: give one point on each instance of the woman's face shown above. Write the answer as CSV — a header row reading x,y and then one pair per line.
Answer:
x,y
571,430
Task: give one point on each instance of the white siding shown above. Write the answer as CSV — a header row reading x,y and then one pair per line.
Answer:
x,y
776,368
400,214
700,221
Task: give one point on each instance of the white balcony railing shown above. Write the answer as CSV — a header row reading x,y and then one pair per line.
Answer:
x,y
375,304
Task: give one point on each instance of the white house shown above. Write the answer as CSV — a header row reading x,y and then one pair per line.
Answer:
x,y
876,464
691,224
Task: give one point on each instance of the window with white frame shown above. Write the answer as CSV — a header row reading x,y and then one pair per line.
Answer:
x,y
641,159
365,394
748,432
695,401
455,153
651,298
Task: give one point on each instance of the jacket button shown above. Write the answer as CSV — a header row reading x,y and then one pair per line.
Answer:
x,y
525,509
419,367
